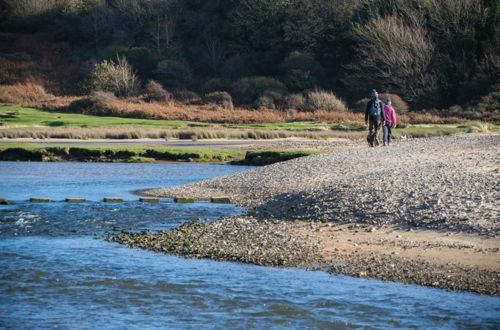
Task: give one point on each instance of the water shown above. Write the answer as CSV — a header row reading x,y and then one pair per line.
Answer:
x,y
57,271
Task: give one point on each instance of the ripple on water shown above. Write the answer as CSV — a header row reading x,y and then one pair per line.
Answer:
x,y
54,275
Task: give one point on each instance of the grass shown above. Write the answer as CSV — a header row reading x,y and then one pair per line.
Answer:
x,y
22,116
289,126
105,153
22,122
145,154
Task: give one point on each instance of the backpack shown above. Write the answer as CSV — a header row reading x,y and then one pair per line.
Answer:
x,y
375,109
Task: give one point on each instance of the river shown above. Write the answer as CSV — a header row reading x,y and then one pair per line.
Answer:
x,y
58,271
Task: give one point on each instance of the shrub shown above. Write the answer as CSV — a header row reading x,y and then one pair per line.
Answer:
x,y
398,103
248,90
187,97
97,103
265,102
156,92
174,74
478,127
28,94
118,78
140,58
269,100
300,71
323,100
216,84
293,101
222,99
100,77
360,105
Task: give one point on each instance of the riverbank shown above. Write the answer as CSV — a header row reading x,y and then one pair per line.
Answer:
x,y
144,154
416,203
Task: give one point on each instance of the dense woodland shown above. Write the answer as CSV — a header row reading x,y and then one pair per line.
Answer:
x,y
432,53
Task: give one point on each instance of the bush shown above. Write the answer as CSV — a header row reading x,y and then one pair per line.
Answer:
x,y
323,100
248,90
156,92
293,101
265,102
140,58
216,84
398,103
173,74
360,105
300,71
187,97
97,103
478,127
108,76
102,97
222,99
28,94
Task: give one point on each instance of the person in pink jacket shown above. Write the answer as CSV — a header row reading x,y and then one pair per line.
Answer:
x,y
390,121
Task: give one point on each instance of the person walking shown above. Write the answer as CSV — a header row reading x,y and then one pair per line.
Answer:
x,y
390,121
375,117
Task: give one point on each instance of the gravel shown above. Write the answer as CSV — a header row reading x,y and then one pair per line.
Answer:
x,y
446,183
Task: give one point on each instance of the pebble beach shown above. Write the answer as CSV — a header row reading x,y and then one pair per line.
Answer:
x,y
421,211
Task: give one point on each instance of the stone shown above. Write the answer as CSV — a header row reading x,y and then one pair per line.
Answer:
x,y
40,200
113,199
75,200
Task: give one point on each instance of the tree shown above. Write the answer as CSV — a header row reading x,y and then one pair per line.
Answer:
x,y
395,54
109,76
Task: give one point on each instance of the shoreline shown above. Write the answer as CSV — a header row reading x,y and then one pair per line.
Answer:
x,y
429,239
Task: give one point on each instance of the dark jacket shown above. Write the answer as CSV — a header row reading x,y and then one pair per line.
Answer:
x,y
369,105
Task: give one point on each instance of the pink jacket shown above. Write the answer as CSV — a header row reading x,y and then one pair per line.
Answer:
x,y
390,114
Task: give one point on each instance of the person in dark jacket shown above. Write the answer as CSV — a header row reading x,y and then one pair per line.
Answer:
x,y
375,117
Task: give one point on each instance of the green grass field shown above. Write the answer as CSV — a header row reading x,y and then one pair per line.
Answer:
x,y
21,118
18,116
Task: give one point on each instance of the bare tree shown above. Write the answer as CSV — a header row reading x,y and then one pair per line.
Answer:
x,y
215,52
396,52
124,79
163,24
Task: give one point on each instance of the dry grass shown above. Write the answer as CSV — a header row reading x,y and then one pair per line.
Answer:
x,y
427,118
82,133
31,94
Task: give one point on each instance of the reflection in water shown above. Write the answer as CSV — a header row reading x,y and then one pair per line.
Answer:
x,y
56,270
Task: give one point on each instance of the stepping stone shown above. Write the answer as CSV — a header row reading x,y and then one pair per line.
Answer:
x,y
75,200
39,200
184,200
113,199
221,200
149,200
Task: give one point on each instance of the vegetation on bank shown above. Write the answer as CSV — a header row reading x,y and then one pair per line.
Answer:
x,y
21,122
280,54
143,154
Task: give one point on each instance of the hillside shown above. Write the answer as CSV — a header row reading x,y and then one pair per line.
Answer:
x,y
300,55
